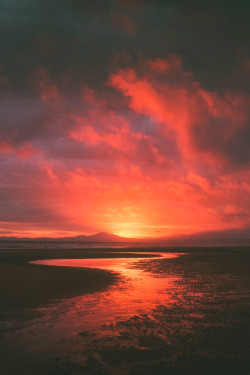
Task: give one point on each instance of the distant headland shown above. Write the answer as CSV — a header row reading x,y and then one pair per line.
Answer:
x,y
227,237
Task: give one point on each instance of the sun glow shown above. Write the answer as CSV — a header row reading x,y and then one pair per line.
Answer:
x,y
128,234
130,230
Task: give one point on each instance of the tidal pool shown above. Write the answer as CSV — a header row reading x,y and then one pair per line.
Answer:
x,y
51,336
137,292
167,315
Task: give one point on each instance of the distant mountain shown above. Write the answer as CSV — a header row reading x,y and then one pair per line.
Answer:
x,y
243,233
220,237
100,237
230,236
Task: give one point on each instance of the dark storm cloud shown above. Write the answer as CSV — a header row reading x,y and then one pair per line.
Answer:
x,y
72,40
211,137
22,119
77,39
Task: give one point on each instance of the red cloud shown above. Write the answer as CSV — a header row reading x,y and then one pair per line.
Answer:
x,y
25,151
171,64
156,165
203,122
48,90
101,128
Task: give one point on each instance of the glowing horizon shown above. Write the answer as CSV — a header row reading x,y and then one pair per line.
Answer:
x,y
141,140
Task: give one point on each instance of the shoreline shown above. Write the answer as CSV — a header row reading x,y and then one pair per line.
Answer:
x,y
31,285
24,285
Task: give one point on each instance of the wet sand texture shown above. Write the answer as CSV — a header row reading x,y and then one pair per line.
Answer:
x,y
24,285
204,331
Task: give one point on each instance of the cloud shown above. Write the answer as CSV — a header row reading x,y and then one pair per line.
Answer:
x,y
25,151
48,90
124,116
203,122
155,164
124,23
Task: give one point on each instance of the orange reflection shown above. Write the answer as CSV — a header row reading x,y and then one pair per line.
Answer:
x,y
138,291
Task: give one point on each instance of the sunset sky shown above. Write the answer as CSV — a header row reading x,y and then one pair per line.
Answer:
x,y
124,116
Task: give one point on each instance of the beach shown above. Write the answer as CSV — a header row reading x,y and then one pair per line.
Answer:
x,y
183,315
23,285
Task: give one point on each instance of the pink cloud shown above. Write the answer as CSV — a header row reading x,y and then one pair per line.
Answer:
x,y
25,151
48,90
200,120
156,165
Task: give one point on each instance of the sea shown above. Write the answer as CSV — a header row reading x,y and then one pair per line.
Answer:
x,y
30,244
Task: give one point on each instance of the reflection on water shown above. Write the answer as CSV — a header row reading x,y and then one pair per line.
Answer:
x,y
179,316
137,292
58,330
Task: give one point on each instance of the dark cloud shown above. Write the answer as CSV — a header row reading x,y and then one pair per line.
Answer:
x,y
77,39
211,138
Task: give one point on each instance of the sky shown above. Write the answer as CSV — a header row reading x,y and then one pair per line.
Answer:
x,y
129,117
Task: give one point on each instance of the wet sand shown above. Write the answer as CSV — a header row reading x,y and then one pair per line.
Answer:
x,y
24,285
201,325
